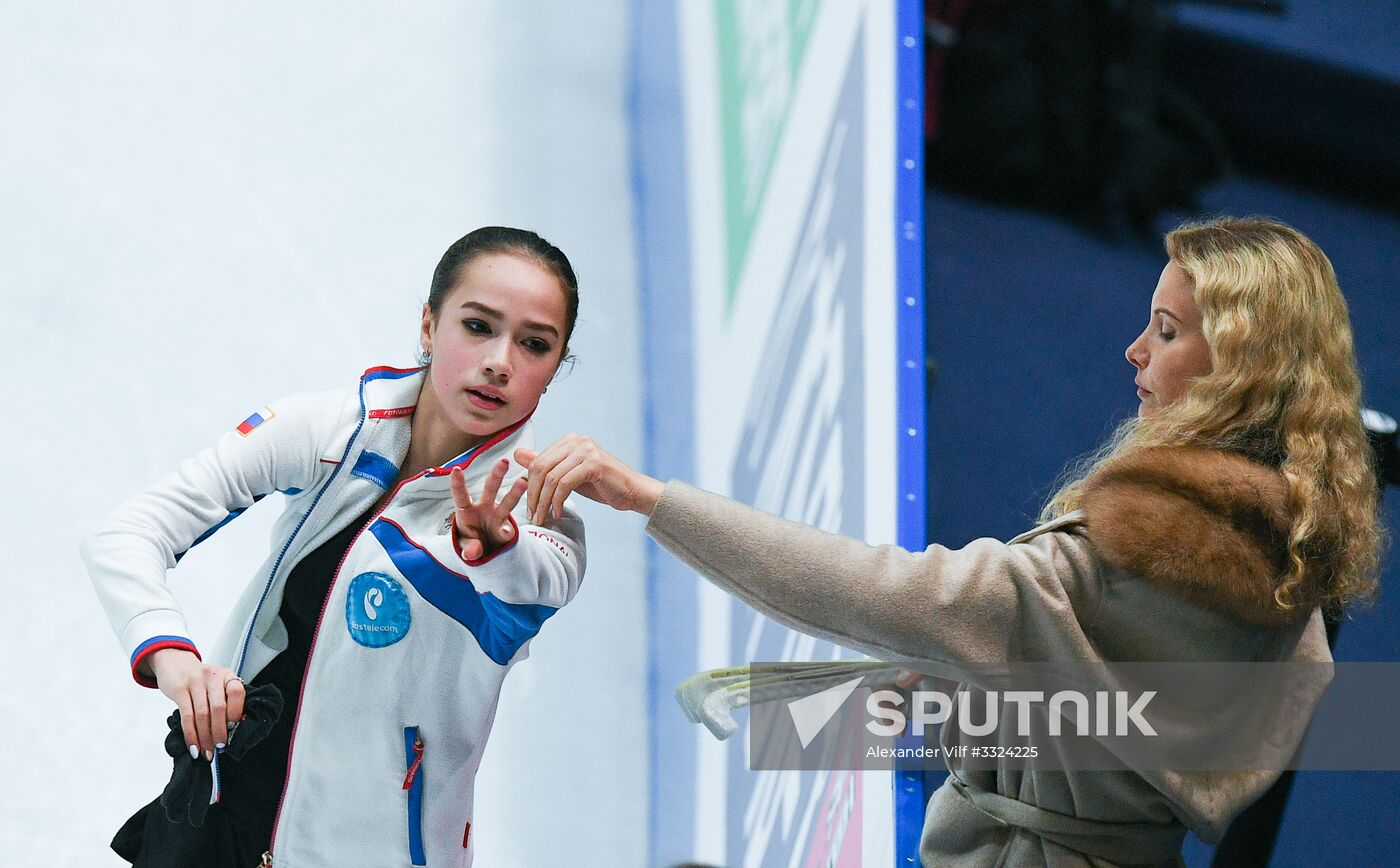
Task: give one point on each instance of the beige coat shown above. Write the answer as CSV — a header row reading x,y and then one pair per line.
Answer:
x,y
1173,558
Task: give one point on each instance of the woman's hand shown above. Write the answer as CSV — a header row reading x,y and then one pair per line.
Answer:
x,y
209,697
575,463
484,526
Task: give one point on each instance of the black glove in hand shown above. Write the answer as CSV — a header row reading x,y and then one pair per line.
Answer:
x,y
261,708
187,796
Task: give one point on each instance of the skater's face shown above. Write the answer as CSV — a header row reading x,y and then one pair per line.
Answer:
x,y
495,344
1172,350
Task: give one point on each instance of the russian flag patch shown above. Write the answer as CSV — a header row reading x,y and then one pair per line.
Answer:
x,y
247,425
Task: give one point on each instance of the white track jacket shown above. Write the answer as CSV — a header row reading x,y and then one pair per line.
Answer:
x,y
413,641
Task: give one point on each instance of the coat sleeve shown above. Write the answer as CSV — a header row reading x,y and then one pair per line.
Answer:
x,y
986,602
127,556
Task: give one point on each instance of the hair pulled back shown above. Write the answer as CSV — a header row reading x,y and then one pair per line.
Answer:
x,y
523,243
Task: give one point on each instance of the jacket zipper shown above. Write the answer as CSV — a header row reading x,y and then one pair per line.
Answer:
x,y
272,576
311,652
316,632
414,782
417,761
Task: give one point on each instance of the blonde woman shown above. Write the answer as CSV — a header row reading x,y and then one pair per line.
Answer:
x,y
1211,527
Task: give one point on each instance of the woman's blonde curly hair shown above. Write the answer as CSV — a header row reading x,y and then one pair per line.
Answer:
x,y
1283,391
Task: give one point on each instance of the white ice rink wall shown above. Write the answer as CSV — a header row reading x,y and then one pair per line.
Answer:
x,y
779,148
206,206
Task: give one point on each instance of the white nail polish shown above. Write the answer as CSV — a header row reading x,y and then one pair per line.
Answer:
x,y
194,751
209,755
219,746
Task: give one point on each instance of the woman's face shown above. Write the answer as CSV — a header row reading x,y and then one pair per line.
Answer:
x,y
1172,350
495,343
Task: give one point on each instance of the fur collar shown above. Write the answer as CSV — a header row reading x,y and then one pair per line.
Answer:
x,y
1209,526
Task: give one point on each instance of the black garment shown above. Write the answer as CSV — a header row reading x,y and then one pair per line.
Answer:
x,y
238,829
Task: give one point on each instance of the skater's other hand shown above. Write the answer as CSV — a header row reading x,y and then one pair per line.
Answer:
x,y
484,526
575,463
209,697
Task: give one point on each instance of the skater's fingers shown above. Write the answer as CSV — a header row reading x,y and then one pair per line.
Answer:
x,y
466,514
186,706
237,696
199,696
472,549
218,708
493,482
513,496
461,498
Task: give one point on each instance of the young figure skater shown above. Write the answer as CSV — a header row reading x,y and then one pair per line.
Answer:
x,y
400,590
1210,528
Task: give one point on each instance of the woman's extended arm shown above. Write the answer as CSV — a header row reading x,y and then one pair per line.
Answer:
x,y
988,601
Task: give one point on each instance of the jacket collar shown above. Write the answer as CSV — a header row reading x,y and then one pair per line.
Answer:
x,y
390,395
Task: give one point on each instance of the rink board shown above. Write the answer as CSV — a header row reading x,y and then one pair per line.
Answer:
x,y
777,149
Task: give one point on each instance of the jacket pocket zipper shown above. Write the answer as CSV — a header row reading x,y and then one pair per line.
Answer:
x,y
413,782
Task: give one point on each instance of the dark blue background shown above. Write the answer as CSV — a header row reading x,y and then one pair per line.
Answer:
x,y
1028,317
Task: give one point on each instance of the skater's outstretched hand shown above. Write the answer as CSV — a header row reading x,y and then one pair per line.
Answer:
x,y
484,526
575,463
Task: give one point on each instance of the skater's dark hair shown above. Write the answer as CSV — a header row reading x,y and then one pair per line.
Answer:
x,y
514,242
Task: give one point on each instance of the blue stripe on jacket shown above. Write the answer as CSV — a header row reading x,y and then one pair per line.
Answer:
x,y
211,531
500,628
376,468
166,641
